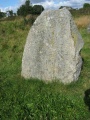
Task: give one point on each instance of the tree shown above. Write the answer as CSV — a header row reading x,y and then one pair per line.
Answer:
x,y
37,9
21,11
27,3
10,12
2,14
25,9
86,5
86,8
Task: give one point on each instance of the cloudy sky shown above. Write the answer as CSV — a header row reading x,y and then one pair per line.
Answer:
x,y
47,4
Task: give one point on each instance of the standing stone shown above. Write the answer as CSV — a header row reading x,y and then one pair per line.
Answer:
x,y
52,48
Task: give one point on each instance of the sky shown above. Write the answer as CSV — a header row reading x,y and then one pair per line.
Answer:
x,y
47,4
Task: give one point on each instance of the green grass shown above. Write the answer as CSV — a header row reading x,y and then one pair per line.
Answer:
x,y
33,99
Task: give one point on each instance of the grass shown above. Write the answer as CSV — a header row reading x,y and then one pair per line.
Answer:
x,y
82,21
33,99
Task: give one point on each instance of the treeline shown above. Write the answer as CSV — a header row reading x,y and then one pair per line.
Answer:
x,y
27,8
24,10
85,10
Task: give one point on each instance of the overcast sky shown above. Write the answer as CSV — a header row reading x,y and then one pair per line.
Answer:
x,y
47,4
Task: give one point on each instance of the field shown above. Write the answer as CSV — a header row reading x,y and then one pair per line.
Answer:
x,y
33,99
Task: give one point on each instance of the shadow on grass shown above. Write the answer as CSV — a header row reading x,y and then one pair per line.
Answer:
x,y
87,98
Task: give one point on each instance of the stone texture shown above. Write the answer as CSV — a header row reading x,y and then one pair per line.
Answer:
x,y
88,28
52,48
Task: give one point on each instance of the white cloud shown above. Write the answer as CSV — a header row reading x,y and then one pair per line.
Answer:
x,y
78,3
50,4
37,1
9,8
14,8
47,4
55,4
22,1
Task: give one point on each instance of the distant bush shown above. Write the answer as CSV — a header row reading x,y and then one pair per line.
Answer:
x,y
37,9
82,11
85,10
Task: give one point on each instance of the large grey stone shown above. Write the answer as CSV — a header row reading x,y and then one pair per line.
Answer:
x,y
52,48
